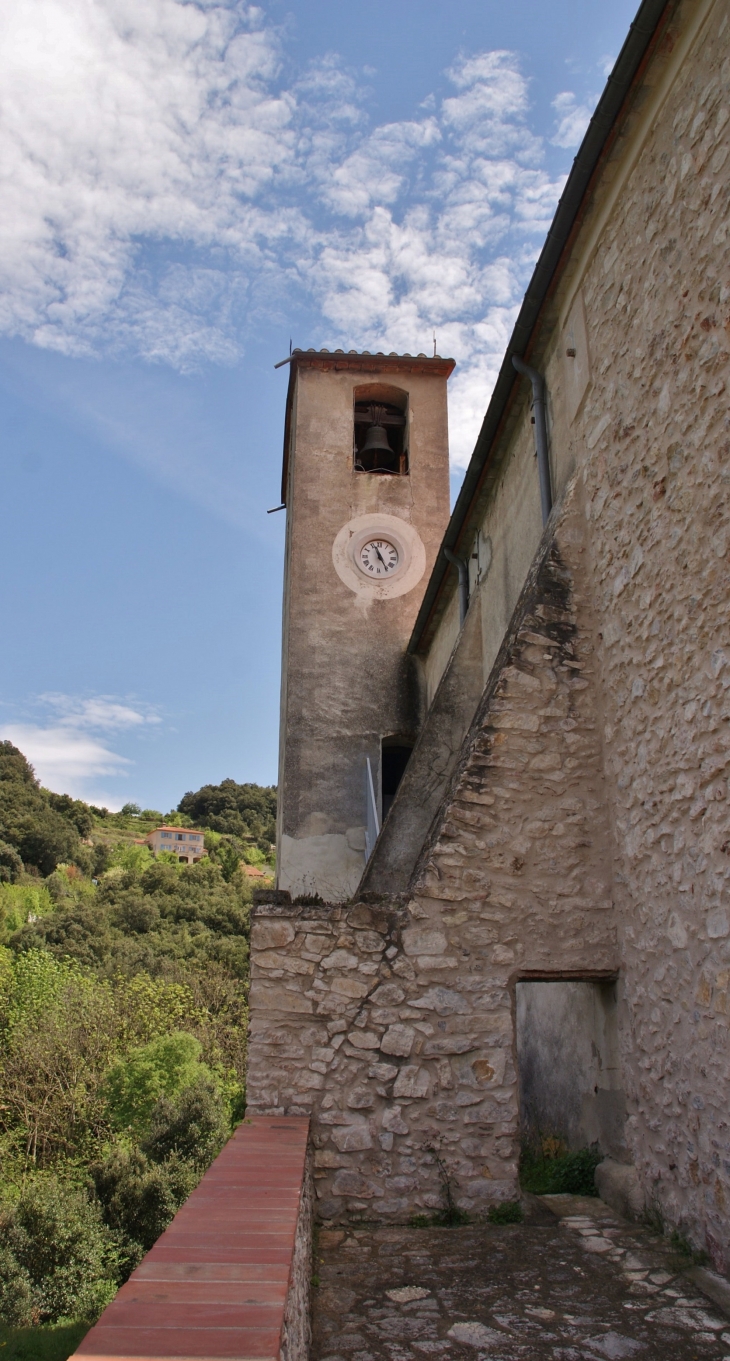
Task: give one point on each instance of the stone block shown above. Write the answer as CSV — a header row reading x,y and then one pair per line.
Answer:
x,y
266,996
287,963
271,935
340,959
349,987
421,940
443,1001
363,1039
361,1099
351,1138
412,1081
451,1044
392,1121
388,995
398,1040
370,942
351,1183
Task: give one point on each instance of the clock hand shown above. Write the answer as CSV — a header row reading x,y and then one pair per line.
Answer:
x,y
382,559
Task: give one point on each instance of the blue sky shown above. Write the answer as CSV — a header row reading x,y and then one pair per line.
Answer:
x,y
186,187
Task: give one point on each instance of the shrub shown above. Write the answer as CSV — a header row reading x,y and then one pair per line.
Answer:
x,y
11,865
58,1259
20,903
194,1127
162,1068
60,1033
138,1198
567,1174
506,1212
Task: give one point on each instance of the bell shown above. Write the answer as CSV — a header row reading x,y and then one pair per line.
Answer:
x,y
376,441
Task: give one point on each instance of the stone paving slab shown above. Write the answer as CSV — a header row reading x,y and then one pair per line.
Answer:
x,y
573,1283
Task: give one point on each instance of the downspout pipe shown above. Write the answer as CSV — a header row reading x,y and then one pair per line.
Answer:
x,y
541,439
463,571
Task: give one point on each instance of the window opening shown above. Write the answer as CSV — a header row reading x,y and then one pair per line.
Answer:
x,y
380,438
394,760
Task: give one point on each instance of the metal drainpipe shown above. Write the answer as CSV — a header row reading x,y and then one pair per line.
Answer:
x,y
463,571
541,440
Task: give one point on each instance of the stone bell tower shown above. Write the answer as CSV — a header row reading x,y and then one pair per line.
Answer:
x,y
366,485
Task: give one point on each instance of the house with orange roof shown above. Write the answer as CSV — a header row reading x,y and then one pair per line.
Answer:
x,y
184,842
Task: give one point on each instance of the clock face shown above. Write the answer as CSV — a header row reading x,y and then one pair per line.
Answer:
x,y
378,558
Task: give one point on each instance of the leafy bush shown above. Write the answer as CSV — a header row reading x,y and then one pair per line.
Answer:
x,y
134,858
162,1068
57,1258
506,1212
11,865
74,810
138,1198
195,1126
20,903
566,1174
60,1034
152,917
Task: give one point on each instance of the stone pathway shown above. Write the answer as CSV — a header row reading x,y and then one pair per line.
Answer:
x,y
574,1283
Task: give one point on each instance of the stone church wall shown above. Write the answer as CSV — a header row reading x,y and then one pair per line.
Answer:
x,y
654,445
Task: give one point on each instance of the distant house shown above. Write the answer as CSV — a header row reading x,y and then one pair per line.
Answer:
x,y
184,843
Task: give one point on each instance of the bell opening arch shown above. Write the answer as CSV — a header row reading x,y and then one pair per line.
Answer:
x,y
380,430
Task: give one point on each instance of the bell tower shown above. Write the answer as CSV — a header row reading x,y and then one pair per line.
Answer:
x,y
366,486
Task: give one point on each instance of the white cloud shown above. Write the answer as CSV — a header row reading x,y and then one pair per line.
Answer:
x,y
455,254
161,192
68,750
102,711
124,121
571,121
64,759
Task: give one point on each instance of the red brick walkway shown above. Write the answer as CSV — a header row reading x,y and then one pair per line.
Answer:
x,y
215,1284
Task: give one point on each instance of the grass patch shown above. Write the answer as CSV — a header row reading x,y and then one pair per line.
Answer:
x,y
506,1212
549,1173
55,1342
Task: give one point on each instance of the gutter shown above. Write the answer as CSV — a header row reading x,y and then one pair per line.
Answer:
x,y
642,36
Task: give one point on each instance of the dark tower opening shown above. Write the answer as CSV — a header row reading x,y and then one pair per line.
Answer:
x,y
394,759
380,438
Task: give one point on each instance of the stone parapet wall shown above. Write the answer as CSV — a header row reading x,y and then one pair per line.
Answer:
x,y
296,1331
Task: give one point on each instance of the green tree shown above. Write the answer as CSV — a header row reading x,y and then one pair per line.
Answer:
x,y
138,1198
162,1068
57,1258
243,810
11,865
59,1037
74,811
194,1126
39,834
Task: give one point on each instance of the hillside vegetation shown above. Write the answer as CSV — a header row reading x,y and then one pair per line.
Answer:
x,y
123,1009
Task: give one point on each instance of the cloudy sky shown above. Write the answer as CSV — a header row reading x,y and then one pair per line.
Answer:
x,y
185,187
